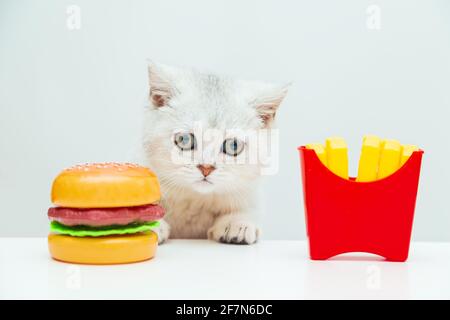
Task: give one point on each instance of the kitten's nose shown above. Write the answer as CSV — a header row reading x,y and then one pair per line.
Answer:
x,y
206,169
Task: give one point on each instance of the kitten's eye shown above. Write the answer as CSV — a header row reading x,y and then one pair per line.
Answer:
x,y
232,147
185,141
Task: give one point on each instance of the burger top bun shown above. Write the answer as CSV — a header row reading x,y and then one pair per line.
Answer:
x,y
105,185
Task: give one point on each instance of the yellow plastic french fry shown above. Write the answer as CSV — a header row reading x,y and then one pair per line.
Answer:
x,y
337,156
390,158
407,151
369,159
320,151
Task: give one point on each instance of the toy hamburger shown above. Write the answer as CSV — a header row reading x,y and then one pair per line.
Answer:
x,y
104,214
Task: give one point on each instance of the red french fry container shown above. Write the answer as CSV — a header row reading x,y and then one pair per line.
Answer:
x,y
347,216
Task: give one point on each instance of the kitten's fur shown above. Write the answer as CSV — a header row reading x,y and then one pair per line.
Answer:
x,y
222,208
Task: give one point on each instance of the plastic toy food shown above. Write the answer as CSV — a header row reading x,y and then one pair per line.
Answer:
x,y
320,152
371,213
337,157
379,158
369,159
104,214
389,158
333,155
407,151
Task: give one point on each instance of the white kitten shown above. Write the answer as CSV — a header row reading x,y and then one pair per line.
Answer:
x,y
212,194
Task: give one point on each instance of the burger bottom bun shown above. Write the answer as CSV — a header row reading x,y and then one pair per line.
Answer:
x,y
114,249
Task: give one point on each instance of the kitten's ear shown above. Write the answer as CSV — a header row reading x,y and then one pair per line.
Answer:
x,y
161,89
267,103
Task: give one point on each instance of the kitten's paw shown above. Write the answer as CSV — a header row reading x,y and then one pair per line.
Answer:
x,y
235,231
163,231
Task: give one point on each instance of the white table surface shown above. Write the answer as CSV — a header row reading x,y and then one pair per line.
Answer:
x,y
197,269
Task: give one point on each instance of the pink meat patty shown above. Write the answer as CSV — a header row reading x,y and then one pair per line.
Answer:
x,y
105,216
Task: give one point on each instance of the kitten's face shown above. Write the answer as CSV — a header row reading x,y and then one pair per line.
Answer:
x,y
200,130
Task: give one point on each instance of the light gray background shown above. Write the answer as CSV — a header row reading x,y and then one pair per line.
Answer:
x,y
77,96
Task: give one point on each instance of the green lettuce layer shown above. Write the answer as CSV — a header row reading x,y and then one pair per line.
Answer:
x,y
87,231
